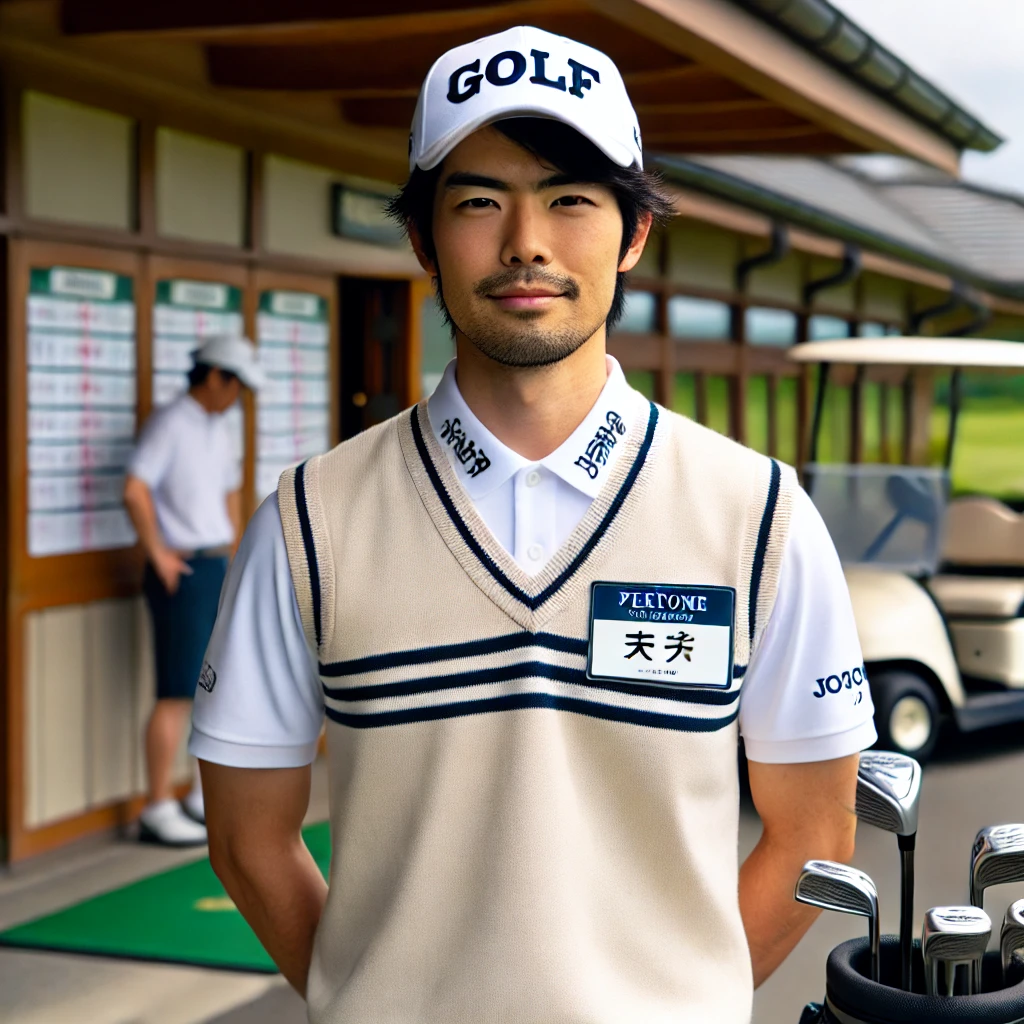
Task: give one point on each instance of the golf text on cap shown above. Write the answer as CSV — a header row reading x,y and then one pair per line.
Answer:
x,y
466,82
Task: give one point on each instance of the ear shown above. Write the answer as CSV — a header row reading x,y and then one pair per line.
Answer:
x,y
636,247
417,247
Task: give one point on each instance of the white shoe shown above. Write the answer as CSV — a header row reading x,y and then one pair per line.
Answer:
x,y
193,805
166,823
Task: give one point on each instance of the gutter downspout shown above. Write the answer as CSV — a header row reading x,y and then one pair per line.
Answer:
x,y
917,320
777,250
849,271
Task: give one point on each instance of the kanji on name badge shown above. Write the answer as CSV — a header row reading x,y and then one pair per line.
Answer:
x,y
662,634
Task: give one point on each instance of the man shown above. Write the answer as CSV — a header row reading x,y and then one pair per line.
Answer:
x,y
183,493
529,609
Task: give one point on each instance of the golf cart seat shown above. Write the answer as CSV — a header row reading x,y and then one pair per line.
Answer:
x,y
983,561
984,533
979,597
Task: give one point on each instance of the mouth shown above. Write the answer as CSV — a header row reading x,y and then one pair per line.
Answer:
x,y
526,298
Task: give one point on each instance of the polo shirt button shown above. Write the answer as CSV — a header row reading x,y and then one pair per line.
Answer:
x,y
534,552
532,478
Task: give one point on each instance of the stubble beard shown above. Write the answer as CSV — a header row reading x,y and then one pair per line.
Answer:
x,y
520,339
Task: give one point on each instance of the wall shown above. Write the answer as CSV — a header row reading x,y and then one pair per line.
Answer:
x,y
89,689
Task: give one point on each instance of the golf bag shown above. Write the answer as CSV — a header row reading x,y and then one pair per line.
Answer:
x,y
852,998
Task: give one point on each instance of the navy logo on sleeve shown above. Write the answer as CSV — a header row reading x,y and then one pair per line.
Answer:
x,y
208,677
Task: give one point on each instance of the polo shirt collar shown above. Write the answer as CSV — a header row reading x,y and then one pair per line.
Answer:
x,y
483,463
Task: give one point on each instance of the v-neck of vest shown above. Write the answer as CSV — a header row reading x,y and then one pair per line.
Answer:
x,y
528,600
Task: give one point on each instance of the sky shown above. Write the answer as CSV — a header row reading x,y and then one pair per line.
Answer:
x,y
973,50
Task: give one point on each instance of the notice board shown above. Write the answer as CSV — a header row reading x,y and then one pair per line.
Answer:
x,y
294,415
81,407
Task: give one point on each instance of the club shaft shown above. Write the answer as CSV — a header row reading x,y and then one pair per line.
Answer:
x,y
907,844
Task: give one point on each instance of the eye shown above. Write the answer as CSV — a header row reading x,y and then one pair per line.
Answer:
x,y
572,201
478,203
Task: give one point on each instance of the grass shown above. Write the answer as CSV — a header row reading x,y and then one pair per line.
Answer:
x,y
989,455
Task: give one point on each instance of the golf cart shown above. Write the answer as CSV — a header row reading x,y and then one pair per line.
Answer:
x,y
937,582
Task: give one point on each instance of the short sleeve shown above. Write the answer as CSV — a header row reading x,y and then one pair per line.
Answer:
x,y
259,703
805,696
152,455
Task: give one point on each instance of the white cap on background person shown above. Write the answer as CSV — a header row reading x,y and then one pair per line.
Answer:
x,y
235,354
523,72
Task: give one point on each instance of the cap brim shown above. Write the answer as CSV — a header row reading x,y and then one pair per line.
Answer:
x,y
253,377
615,152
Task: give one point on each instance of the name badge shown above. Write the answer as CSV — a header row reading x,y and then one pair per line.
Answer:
x,y
662,634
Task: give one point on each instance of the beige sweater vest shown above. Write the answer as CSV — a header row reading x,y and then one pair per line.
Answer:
x,y
512,841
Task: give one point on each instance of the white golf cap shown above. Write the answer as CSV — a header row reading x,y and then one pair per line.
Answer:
x,y
523,72
235,354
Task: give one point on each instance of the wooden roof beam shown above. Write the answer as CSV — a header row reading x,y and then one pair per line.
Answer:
x,y
105,17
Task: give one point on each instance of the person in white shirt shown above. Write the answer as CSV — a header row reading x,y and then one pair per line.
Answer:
x,y
183,493
520,826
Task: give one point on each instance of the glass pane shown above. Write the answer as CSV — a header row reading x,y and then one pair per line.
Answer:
x,y
643,381
868,329
438,345
684,399
786,406
639,313
834,437
770,326
871,417
757,414
824,328
894,434
698,318
718,404
989,453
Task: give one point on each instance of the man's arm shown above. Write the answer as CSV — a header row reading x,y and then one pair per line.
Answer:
x,y
166,563
254,820
808,812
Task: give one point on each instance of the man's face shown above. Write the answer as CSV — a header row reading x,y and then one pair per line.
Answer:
x,y
224,390
527,257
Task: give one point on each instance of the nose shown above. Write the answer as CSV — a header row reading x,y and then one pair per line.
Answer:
x,y
525,243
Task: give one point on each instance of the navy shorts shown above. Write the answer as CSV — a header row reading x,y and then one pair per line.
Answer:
x,y
182,624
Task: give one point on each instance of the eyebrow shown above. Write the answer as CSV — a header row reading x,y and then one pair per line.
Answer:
x,y
461,179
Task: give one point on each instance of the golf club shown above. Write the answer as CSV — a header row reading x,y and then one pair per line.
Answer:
x,y
1011,944
951,938
888,792
832,886
997,857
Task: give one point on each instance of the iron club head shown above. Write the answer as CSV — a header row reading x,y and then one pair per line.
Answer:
x,y
838,887
888,791
953,937
997,857
1011,943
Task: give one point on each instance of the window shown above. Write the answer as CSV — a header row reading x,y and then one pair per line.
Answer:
x,y
684,398
766,326
756,414
718,404
824,328
438,346
638,317
870,329
698,318
787,404
643,381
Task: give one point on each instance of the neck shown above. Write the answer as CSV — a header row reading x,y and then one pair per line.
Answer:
x,y
202,395
532,409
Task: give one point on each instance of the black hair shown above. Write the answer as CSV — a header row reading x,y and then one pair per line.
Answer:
x,y
637,191
198,374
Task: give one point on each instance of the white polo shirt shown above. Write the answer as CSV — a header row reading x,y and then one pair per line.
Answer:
x,y
185,457
266,708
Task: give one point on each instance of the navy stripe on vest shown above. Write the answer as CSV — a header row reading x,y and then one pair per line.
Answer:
x,y
307,543
451,652
521,701
527,670
533,603
761,548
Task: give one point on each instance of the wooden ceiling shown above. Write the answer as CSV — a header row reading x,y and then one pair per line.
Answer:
x,y
370,56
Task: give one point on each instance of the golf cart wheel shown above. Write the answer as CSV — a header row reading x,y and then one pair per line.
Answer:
x,y
906,713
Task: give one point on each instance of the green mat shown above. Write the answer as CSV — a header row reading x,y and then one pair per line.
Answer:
x,y
181,916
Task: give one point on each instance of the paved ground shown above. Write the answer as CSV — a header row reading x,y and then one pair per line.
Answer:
x,y
972,783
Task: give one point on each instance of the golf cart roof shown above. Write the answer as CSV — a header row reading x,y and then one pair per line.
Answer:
x,y
962,353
